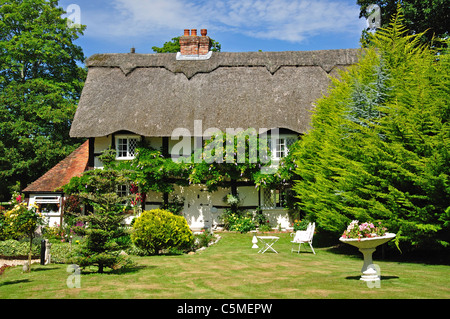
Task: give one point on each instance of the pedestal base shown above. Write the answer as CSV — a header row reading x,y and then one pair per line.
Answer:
x,y
368,270
370,275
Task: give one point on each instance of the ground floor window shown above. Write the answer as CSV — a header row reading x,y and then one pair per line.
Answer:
x,y
48,204
123,191
273,198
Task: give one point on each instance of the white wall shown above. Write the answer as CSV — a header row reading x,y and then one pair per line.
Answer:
x,y
53,216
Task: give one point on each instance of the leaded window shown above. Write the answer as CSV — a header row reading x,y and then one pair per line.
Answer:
x,y
126,147
272,198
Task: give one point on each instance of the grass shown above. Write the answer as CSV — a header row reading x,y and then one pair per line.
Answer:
x,y
232,269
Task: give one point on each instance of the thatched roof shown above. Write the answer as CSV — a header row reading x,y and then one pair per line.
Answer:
x,y
152,94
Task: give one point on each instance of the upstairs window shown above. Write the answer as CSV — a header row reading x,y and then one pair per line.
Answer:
x,y
123,190
126,147
281,147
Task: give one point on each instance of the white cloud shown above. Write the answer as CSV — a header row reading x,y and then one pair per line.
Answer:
x,y
290,20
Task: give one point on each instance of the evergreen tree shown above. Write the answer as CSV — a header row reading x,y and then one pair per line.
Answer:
x,y
105,226
380,144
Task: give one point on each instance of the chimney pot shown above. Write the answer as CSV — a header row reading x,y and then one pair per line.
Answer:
x,y
193,45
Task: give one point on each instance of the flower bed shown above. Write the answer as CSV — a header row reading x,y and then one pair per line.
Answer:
x,y
364,230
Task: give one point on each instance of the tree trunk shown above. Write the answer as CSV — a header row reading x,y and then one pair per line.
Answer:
x,y
29,253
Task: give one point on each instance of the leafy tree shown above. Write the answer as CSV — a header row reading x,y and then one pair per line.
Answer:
x,y
40,84
23,221
419,16
173,46
379,147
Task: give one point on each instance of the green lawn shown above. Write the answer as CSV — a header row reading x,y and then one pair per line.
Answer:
x,y
232,269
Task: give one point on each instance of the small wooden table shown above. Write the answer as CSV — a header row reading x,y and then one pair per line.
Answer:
x,y
267,242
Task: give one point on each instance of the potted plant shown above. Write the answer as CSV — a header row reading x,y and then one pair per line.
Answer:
x,y
366,237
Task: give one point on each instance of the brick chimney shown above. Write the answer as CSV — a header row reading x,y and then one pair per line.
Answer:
x,y
193,45
204,43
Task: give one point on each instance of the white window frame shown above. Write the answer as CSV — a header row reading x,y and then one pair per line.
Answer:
x,y
47,199
129,155
280,148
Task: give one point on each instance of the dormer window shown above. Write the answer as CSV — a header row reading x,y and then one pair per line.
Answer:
x,y
126,147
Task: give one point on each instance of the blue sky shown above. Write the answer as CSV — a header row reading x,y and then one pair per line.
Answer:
x,y
114,26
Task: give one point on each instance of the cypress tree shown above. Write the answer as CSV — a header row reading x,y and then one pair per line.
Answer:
x,y
380,144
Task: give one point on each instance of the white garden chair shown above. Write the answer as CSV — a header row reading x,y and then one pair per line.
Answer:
x,y
304,237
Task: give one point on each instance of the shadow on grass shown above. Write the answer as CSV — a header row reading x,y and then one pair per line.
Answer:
x,y
13,282
92,270
382,277
42,268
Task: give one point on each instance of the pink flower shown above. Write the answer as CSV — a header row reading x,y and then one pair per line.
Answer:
x,y
19,198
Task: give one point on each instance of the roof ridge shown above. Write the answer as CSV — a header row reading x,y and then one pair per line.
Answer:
x,y
273,61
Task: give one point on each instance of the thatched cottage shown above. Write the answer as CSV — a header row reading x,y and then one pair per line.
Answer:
x,y
130,97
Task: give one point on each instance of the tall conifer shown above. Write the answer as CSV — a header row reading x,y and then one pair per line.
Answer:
x,y
380,144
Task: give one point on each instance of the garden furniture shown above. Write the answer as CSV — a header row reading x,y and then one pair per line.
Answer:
x,y
267,242
304,237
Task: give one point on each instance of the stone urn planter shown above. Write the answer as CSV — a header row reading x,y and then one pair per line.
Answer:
x,y
367,246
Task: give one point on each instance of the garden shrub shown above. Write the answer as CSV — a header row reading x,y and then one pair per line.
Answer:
x,y
300,224
238,221
203,239
158,229
63,253
15,248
